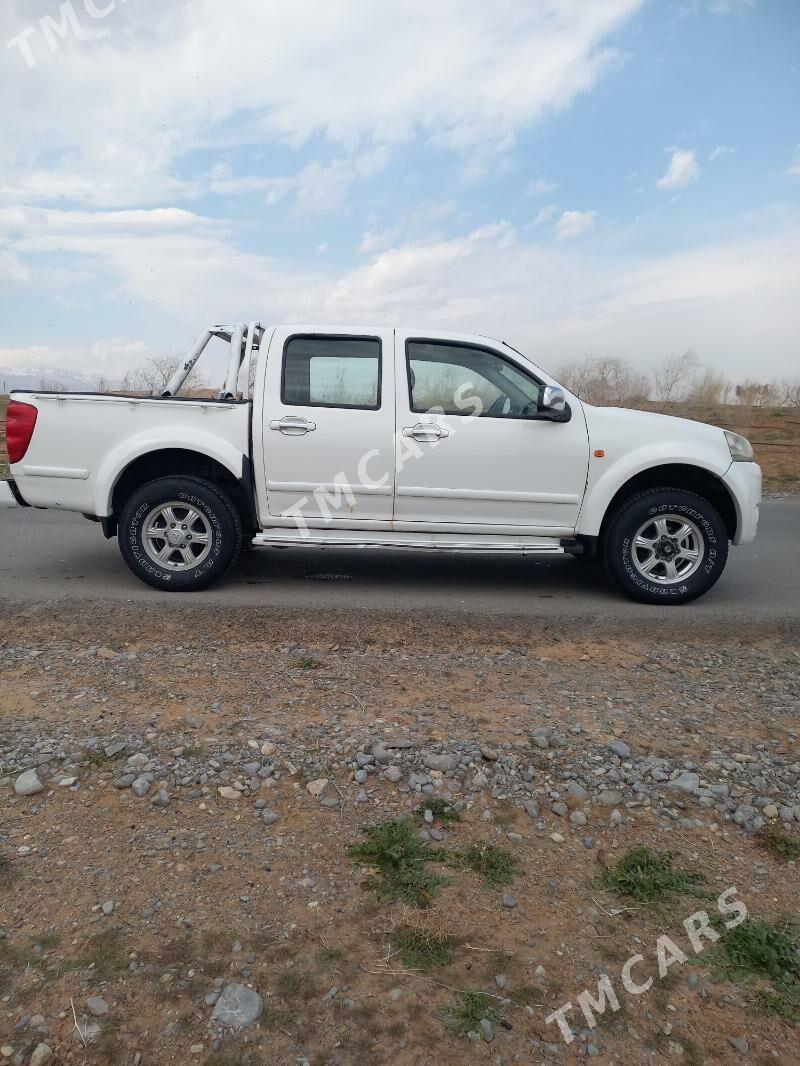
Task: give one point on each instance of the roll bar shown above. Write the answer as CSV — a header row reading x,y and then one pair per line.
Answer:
x,y
243,339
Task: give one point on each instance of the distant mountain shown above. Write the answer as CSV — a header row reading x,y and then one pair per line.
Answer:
x,y
50,377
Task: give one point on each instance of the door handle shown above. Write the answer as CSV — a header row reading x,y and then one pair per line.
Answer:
x,y
293,426
426,431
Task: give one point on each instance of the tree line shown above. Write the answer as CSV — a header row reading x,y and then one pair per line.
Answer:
x,y
678,379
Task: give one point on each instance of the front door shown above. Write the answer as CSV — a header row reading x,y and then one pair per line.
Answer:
x,y
473,448
328,426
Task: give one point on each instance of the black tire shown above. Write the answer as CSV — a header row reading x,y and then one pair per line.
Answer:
x,y
652,505
219,522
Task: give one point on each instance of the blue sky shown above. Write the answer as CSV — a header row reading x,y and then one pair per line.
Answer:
x,y
619,178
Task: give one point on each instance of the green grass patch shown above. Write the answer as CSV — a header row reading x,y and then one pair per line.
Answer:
x,y
766,951
442,810
8,871
779,844
326,956
494,865
305,662
422,951
648,876
103,953
759,948
397,860
289,984
465,1013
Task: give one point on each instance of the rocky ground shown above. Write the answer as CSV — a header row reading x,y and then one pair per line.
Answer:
x,y
179,788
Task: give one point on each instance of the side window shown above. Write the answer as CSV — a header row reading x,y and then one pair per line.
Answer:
x,y
332,372
459,380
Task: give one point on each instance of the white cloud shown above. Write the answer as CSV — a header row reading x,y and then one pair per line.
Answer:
x,y
544,214
794,166
541,187
574,223
727,7
719,152
683,170
732,301
107,120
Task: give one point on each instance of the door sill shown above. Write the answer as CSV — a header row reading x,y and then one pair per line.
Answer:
x,y
351,538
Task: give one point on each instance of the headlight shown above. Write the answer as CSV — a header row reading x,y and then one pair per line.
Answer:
x,y
740,448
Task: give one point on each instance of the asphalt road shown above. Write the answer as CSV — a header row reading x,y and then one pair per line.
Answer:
x,y
49,555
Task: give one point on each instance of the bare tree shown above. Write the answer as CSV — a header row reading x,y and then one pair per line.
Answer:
x,y
757,394
606,381
674,377
152,376
709,387
50,385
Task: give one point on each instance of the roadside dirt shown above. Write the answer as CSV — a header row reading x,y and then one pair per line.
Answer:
x,y
205,893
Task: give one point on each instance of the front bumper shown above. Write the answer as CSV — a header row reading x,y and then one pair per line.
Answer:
x,y
744,482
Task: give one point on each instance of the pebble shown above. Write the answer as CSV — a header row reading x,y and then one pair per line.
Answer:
x,y
620,748
509,900
227,792
108,907
317,787
97,1006
739,1044
41,1053
28,784
686,782
237,1007
141,786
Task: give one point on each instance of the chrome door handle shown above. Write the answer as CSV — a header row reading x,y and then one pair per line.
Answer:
x,y
293,426
426,431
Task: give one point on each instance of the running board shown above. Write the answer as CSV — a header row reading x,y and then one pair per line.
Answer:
x,y
458,542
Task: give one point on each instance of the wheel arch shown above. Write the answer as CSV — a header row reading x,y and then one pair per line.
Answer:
x,y
179,461
685,476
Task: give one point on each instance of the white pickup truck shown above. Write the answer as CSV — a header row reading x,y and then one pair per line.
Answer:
x,y
385,438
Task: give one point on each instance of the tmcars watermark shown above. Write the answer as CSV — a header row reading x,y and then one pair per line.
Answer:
x,y
342,491
57,28
667,953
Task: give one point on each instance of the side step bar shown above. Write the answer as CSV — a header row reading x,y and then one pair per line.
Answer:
x,y
348,538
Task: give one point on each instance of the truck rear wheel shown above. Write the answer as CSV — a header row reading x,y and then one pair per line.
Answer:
x,y
179,534
666,546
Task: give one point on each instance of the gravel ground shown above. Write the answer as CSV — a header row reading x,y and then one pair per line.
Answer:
x,y
179,796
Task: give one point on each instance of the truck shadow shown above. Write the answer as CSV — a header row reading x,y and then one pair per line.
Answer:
x,y
425,573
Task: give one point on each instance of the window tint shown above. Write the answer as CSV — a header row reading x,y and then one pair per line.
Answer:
x,y
332,372
468,381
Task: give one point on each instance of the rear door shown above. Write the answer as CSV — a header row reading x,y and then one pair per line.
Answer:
x,y
473,449
328,427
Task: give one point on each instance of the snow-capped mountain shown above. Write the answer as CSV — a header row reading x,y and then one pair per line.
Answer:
x,y
52,377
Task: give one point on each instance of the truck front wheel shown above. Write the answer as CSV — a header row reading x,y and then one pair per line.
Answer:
x,y
179,534
665,546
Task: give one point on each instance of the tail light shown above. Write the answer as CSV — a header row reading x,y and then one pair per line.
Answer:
x,y
20,424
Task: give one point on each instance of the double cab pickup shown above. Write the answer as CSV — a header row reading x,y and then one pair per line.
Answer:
x,y
385,438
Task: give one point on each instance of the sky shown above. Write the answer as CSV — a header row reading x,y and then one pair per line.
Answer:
x,y
615,178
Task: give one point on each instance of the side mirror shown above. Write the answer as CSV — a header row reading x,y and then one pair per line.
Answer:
x,y
553,400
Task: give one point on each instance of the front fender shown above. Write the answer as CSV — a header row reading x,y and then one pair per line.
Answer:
x,y
603,486
132,448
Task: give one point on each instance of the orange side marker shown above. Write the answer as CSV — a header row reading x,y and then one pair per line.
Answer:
x,y
599,454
